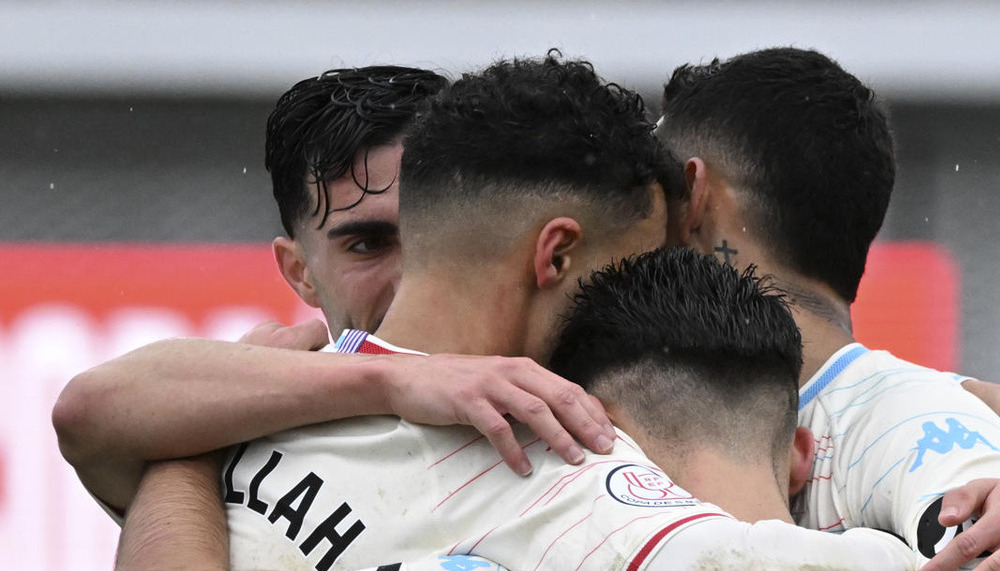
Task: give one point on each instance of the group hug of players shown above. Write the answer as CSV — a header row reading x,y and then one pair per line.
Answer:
x,y
525,258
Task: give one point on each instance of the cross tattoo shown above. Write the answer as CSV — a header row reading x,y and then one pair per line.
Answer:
x,y
726,251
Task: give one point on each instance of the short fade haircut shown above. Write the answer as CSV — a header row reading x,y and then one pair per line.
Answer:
x,y
689,347
321,124
546,128
805,140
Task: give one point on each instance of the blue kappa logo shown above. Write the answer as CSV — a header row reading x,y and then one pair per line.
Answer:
x,y
942,442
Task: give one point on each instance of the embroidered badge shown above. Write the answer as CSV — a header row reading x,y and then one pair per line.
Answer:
x,y
637,485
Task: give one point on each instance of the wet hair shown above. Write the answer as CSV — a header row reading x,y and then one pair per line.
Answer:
x,y
690,348
320,126
547,128
807,143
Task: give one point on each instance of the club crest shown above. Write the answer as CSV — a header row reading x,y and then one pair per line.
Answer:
x,y
643,486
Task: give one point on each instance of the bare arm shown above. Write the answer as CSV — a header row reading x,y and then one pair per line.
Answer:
x,y
989,393
183,397
176,521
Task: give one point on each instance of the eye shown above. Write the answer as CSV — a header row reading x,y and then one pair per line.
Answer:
x,y
369,244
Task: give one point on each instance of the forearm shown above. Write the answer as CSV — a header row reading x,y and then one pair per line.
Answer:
x,y
989,393
182,397
177,520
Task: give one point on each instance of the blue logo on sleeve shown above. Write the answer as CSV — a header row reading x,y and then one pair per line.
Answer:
x,y
462,562
942,442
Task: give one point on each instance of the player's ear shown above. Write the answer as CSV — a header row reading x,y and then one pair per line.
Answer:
x,y
802,454
690,213
554,249
291,259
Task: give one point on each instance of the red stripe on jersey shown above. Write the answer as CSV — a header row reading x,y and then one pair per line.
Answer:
x,y
477,476
369,348
560,536
460,488
640,558
478,541
565,481
831,526
459,449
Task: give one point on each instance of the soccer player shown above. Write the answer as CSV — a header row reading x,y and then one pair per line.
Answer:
x,y
790,168
332,149
546,173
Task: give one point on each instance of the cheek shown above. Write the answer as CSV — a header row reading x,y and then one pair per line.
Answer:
x,y
373,283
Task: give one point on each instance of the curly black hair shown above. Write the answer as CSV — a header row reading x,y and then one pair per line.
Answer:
x,y
321,124
807,142
532,124
672,336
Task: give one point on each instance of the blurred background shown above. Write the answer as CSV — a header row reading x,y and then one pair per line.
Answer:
x,y
134,204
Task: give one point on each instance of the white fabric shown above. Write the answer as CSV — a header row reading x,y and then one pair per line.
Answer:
x,y
891,437
402,493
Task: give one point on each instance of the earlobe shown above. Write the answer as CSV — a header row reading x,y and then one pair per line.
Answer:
x,y
291,260
802,455
553,248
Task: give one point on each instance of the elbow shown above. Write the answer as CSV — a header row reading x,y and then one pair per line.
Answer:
x,y
73,417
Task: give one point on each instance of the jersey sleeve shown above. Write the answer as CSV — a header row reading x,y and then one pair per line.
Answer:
x,y
724,543
918,441
444,563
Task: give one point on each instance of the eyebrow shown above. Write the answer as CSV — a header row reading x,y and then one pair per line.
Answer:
x,y
371,227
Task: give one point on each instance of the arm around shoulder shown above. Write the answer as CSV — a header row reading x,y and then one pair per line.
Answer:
x,y
989,393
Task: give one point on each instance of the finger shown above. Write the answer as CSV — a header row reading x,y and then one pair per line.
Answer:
x,y
305,336
260,333
992,563
498,431
967,545
315,334
597,412
536,413
584,417
961,503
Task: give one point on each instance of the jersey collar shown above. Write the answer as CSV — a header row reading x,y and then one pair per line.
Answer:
x,y
356,341
829,371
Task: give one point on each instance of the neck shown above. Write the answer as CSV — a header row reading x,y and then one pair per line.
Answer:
x,y
446,313
823,317
708,472
709,475
824,320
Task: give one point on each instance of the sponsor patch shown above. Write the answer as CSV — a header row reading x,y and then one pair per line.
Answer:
x,y
643,486
932,537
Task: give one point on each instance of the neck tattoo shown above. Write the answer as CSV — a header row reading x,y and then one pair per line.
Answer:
x,y
818,306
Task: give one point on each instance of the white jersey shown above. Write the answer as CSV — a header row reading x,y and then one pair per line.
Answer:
x,y
375,491
891,438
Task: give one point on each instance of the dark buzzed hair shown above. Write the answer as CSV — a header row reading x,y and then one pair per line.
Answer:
x,y
321,124
805,140
692,349
543,127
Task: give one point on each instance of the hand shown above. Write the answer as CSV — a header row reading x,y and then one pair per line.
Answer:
x,y
479,391
980,497
307,336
